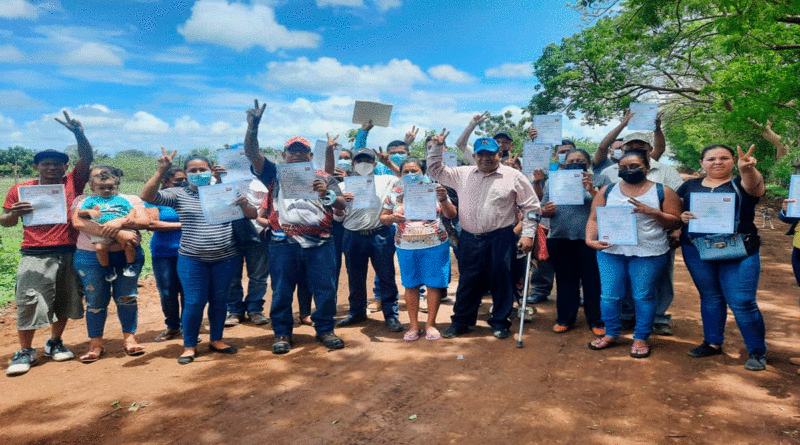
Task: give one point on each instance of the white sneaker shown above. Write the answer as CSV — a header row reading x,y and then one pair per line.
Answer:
x,y
56,349
21,362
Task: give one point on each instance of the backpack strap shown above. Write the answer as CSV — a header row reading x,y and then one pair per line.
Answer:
x,y
608,190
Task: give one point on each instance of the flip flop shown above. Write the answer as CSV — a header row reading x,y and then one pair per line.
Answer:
x,y
135,350
412,335
432,334
91,356
601,343
640,351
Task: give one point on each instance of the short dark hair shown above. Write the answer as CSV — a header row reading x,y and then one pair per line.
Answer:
x,y
114,171
420,162
346,150
194,158
582,152
713,147
641,154
171,172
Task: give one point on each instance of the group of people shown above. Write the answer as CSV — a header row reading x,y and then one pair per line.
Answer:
x,y
485,212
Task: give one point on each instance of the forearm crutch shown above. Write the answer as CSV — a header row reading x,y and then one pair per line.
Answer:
x,y
535,217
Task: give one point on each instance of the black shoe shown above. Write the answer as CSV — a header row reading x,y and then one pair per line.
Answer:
x,y
534,299
705,350
453,331
228,350
501,333
331,341
282,345
662,329
185,360
394,325
351,320
756,362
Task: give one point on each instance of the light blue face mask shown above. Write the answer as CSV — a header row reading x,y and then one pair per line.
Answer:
x,y
199,179
345,164
398,158
562,158
416,178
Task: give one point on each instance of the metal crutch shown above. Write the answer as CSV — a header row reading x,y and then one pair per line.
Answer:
x,y
535,217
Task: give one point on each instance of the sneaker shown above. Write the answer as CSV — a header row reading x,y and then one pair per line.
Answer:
x,y
129,271
111,275
375,306
756,362
233,320
705,350
331,341
258,318
502,333
662,329
55,348
394,324
282,345
453,331
22,362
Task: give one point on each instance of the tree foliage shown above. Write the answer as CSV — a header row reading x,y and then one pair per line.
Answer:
x,y
718,68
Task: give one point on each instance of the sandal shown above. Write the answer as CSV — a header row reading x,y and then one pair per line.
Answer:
x,y
561,328
92,356
167,334
134,350
306,320
412,335
640,351
432,334
602,343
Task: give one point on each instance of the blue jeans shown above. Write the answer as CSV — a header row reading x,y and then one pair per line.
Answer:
x,y
288,264
643,273
165,271
664,294
359,251
204,282
733,283
257,259
99,292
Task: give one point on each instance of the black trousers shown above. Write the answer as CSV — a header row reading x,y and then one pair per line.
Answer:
x,y
484,263
575,264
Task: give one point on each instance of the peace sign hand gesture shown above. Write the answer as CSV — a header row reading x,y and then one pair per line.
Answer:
x,y
165,161
383,156
642,208
254,114
72,125
746,160
478,118
438,139
332,144
411,135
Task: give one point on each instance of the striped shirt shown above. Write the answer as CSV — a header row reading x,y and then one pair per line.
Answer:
x,y
486,202
199,240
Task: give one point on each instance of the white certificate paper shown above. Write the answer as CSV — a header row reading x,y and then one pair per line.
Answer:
x,y
536,156
297,180
363,187
319,151
419,202
49,204
218,203
449,158
794,193
644,116
236,164
714,212
565,187
549,129
378,112
617,225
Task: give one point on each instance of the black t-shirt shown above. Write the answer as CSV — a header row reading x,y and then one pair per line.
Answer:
x,y
748,207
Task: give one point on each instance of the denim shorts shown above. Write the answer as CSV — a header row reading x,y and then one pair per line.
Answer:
x,y
48,289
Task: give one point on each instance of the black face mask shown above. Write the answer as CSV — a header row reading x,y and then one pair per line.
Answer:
x,y
632,176
576,166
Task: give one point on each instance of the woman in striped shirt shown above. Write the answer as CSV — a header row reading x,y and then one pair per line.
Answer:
x,y
206,255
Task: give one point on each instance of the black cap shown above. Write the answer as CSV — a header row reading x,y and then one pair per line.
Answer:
x,y
37,158
364,152
503,134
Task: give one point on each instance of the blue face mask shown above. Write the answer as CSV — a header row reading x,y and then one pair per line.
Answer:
x,y
562,158
398,158
345,164
199,179
416,178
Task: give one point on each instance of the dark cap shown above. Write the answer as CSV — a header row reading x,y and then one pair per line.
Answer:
x,y
503,134
37,158
364,152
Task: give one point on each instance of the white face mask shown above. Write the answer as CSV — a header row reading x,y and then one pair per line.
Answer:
x,y
617,153
363,168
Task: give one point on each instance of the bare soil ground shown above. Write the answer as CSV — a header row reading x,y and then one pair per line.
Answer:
x,y
380,389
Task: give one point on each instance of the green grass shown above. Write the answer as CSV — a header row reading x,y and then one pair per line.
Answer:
x,y
12,238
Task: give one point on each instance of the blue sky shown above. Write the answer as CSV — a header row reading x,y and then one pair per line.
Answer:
x,y
180,74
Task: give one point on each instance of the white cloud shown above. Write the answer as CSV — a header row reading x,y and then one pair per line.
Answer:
x,y
6,123
14,99
179,54
10,53
345,3
385,5
94,54
18,9
450,74
144,122
124,77
241,27
511,70
186,125
329,76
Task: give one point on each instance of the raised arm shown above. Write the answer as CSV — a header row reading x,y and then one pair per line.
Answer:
x,y
383,157
659,142
462,141
251,149
85,153
752,181
605,144
150,189
436,169
361,136
330,163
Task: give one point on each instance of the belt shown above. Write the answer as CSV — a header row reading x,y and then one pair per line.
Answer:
x,y
368,232
487,234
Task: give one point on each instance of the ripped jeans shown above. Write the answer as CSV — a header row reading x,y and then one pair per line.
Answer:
x,y
99,292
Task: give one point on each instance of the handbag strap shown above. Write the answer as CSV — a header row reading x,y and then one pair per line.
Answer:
x,y
739,207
